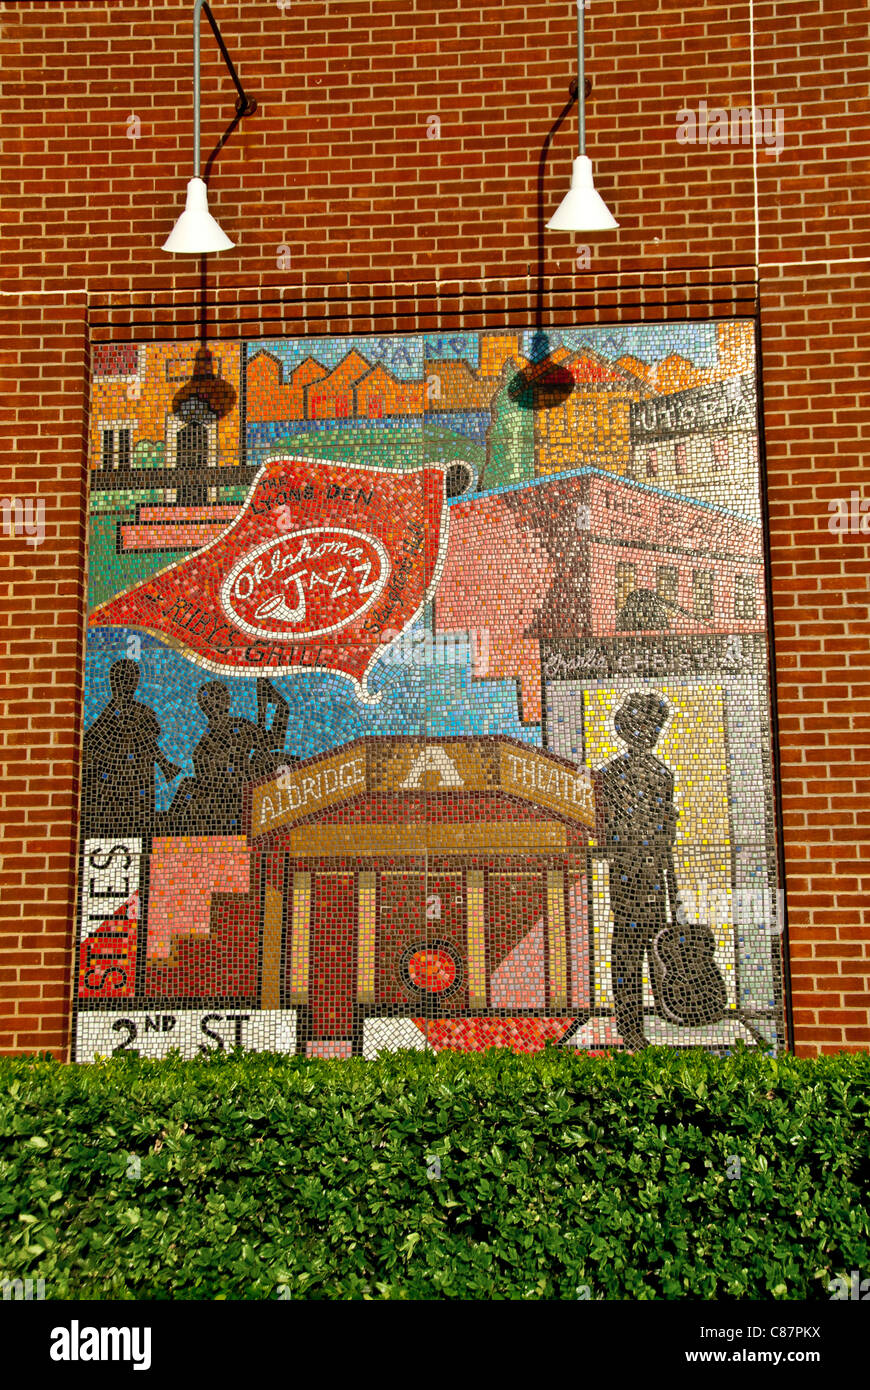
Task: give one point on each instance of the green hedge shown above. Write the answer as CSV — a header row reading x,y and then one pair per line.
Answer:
x,y
268,1177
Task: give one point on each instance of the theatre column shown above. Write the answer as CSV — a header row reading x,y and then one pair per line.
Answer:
x,y
273,918
366,930
300,939
556,938
475,926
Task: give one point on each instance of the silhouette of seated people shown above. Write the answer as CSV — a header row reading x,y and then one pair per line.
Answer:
x,y
232,753
639,826
120,753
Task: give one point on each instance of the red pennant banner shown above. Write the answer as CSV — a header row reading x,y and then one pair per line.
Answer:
x,y
324,565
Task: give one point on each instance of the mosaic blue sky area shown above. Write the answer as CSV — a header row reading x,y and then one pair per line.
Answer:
x,y
403,357
649,342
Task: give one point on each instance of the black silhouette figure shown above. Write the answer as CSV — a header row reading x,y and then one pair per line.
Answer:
x,y
639,827
643,611
120,754
646,611
232,753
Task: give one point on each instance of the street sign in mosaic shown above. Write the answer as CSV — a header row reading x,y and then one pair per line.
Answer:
x,y
427,697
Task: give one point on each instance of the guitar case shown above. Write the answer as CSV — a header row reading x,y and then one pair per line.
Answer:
x,y
688,987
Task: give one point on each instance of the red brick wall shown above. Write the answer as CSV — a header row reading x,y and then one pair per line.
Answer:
x,y
816,332
389,230
42,428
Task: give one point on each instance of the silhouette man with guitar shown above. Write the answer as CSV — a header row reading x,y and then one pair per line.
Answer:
x,y
637,828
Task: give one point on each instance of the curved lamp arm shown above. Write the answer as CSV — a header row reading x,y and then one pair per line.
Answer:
x,y
245,105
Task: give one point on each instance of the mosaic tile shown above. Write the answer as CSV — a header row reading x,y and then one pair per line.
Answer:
x,y
427,696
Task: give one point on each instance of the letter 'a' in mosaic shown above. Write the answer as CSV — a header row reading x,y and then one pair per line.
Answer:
x,y
427,699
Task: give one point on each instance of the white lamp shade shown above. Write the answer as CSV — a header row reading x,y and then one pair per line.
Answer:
x,y
582,209
196,232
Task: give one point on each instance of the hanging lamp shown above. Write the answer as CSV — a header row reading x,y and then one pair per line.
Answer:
x,y
196,233
582,209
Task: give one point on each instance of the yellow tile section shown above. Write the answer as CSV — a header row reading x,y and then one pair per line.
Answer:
x,y
588,429
476,938
496,349
366,922
300,940
692,746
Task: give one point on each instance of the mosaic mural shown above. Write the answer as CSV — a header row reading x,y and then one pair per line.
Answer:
x,y
427,696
